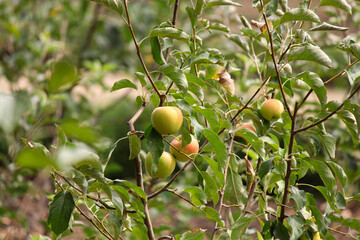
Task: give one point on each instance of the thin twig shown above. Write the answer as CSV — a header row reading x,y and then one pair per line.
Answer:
x,y
179,196
138,48
329,80
82,213
175,175
139,174
274,60
342,233
328,116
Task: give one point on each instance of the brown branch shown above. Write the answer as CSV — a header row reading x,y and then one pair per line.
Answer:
x,y
343,233
274,60
179,196
138,48
139,175
222,192
328,116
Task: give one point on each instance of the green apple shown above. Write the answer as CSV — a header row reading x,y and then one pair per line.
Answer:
x,y
167,120
317,236
271,109
165,166
242,126
191,149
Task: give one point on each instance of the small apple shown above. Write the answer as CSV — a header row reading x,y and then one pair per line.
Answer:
x,y
191,149
242,126
271,109
165,166
167,120
317,236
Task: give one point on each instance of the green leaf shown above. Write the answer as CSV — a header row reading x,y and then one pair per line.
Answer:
x,y
240,227
239,41
219,27
154,144
340,201
118,203
280,231
353,223
79,179
265,168
300,14
315,82
327,27
141,78
63,75
135,146
213,215
194,79
350,46
215,168
309,52
210,186
353,74
156,51
296,223
198,196
298,196
254,140
170,32
210,115
176,75
350,122
34,158
192,15
204,57
327,140
115,5
116,222
218,145
92,172
60,212
325,174
341,4
124,83
133,187
339,172
222,2
198,234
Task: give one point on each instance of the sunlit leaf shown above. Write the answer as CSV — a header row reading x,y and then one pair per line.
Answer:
x,y
124,83
327,27
315,82
300,14
176,75
309,52
115,5
341,4
170,32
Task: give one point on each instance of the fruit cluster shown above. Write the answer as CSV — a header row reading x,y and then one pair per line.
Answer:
x,y
168,120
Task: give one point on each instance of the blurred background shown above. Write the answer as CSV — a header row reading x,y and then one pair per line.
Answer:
x,y
96,50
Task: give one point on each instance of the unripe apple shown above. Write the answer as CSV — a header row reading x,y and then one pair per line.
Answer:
x,y
167,120
242,126
165,166
271,109
317,236
191,149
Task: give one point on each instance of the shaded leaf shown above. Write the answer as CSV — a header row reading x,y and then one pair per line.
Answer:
x,y
154,144
210,186
198,196
315,82
239,41
213,215
156,51
63,75
210,115
60,212
135,146
298,196
339,172
296,223
325,174
218,145
176,75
